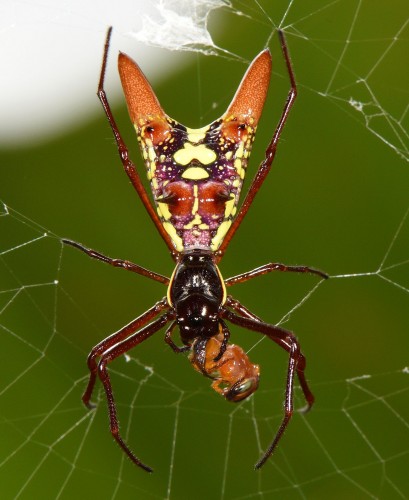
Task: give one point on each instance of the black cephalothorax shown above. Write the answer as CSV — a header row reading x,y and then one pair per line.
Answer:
x,y
196,292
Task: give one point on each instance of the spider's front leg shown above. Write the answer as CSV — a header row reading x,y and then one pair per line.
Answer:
x,y
244,312
296,364
288,404
109,355
265,166
113,340
127,163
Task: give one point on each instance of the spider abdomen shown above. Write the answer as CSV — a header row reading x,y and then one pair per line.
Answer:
x,y
196,175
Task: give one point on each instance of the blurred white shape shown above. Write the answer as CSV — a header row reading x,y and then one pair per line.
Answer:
x,y
51,54
180,25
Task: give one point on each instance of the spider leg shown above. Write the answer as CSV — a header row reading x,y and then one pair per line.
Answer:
x,y
112,340
268,268
265,165
226,338
169,341
108,356
288,405
127,163
239,308
124,264
296,364
243,311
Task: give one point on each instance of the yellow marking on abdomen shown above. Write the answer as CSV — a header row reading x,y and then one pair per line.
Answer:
x,y
196,134
229,207
163,210
200,153
196,221
196,200
237,166
195,174
220,234
177,240
240,150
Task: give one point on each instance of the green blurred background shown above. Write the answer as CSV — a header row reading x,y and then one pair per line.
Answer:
x,y
335,198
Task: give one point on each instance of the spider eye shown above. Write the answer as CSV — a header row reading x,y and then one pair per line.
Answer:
x,y
196,320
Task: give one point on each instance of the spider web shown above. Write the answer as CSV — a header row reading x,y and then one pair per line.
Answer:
x,y
337,198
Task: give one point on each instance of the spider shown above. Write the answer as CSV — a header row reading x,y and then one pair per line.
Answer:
x,y
196,177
